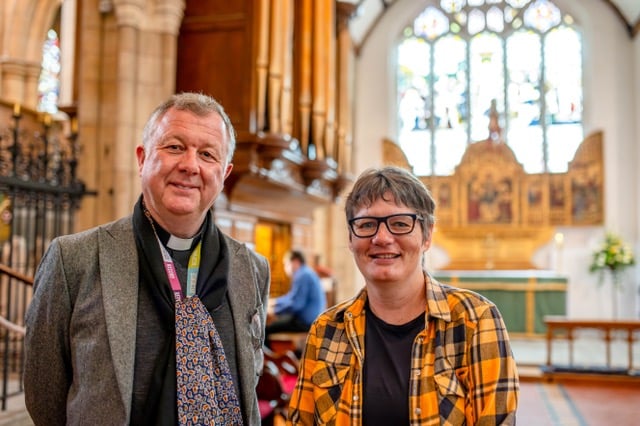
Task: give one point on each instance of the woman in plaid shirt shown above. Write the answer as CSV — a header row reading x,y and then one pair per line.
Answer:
x,y
407,350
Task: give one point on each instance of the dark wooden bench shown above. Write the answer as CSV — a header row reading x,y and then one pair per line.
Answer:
x,y
559,327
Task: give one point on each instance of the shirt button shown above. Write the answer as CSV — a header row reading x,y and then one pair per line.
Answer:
x,y
417,373
417,411
355,397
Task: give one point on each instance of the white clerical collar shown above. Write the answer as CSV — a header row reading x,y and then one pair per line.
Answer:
x,y
181,244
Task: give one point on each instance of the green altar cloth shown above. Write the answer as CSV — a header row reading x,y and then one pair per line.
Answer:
x,y
523,297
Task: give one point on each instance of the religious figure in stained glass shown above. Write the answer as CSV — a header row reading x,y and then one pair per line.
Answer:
x,y
49,82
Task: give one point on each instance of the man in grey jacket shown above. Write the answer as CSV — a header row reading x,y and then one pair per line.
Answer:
x,y
101,328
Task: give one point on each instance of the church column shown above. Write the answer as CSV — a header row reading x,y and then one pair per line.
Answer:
x,y
129,15
13,81
68,31
31,78
168,18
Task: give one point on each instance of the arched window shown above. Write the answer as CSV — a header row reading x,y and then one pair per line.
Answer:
x,y
467,63
49,82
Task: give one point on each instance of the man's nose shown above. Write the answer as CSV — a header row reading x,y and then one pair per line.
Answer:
x,y
189,160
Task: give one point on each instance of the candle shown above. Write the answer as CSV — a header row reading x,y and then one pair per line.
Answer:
x,y
559,239
16,110
74,125
47,120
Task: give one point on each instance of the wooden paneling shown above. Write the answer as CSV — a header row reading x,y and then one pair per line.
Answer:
x,y
215,51
239,226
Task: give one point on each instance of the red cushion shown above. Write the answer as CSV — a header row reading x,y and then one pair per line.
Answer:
x,y
266,407
288,383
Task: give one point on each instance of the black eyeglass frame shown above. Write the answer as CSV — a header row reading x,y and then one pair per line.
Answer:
x,y
384,219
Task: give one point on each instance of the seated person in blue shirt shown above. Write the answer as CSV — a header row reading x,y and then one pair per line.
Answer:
x,y
296,310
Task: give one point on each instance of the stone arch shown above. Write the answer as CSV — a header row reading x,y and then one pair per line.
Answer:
x,y
24,26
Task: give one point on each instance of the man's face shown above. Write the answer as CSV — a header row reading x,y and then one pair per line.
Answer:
x,y
183,169
287,267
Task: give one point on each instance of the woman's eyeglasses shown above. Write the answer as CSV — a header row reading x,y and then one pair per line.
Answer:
x,y
397,224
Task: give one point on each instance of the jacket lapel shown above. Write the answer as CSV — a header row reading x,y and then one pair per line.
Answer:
x,y
243,299
119,278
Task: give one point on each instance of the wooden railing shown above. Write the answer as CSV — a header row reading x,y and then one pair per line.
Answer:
x,y
16,290
565,328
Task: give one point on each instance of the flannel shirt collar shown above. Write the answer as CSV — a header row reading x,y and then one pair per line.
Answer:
x,y
437,305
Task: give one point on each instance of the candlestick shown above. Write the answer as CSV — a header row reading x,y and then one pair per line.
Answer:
x,y
558,238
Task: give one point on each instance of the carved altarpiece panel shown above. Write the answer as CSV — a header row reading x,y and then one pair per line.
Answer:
x,y
491,214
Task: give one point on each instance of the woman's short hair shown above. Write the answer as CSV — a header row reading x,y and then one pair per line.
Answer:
x,y
392,183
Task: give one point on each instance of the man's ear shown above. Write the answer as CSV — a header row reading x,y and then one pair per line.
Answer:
x,y
140,156
227,172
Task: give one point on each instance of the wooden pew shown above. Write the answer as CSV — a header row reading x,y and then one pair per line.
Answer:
x,y
288,341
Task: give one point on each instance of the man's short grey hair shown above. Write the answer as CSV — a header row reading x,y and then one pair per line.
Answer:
x,y
197,103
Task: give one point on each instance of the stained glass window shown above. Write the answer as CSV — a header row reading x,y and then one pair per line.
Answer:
x,y
49,82
458,62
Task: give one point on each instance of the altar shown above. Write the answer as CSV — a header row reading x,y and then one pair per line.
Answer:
x,y
524,297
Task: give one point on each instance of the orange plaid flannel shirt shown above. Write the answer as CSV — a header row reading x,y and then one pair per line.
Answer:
x,y
462,373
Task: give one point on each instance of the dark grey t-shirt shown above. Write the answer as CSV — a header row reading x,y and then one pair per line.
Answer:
x,y
387,366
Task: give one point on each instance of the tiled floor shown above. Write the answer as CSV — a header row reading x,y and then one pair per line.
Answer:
x,y
576,402
579,403
15,413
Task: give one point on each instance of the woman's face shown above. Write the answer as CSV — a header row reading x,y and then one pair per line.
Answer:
x,y
386,258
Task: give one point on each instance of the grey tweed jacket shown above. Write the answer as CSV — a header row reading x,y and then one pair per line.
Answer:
x,y
81,327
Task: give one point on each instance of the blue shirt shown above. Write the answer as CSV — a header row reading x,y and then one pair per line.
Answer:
x,y
306,298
